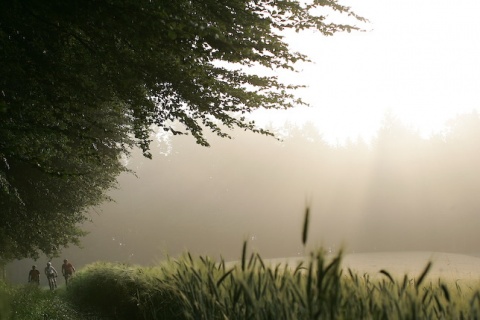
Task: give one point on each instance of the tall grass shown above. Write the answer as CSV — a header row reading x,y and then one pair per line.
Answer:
x,y
317,288
201,288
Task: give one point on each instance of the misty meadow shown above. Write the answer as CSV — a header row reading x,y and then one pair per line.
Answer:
x,y
143,140
397,192
375,196
201,288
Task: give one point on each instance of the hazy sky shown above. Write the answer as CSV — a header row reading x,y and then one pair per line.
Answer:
x,y
419,60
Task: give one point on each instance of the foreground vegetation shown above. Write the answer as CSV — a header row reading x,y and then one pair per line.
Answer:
x,y
30,302
189,288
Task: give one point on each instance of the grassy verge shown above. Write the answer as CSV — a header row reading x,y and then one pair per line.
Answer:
x,y
28,302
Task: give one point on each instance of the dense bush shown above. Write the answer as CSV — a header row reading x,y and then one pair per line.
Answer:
x,y
124,292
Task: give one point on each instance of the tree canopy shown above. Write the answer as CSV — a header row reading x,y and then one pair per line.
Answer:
x,y
84,81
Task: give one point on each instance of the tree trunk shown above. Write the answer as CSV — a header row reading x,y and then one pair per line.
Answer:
x,y
3,270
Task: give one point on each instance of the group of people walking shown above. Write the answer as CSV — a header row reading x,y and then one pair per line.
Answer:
x,y
67,271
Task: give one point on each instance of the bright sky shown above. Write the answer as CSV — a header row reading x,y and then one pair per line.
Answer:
x,y
420,60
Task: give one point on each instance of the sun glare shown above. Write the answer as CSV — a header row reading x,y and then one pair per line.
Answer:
x,y
417,60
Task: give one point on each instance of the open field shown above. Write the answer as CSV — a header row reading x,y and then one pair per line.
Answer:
x,y
448,266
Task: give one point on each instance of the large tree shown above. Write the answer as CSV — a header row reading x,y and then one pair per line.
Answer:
x,y
53,168
82,81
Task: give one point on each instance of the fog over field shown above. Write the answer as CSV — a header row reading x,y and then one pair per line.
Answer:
x,y
410,182
398,192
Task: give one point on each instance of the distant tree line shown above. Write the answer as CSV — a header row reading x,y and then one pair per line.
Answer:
x,y
398,191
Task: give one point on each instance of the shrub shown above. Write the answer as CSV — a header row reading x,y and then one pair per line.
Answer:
x,y
123,292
